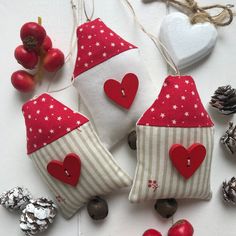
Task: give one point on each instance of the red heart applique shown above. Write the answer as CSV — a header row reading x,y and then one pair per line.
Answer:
x,y
187,161
67,171
122,93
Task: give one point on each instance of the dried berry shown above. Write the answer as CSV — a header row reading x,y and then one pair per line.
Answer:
x,y
229,190
97,208
132,138
166,207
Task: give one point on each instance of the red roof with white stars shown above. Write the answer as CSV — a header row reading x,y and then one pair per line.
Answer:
x,y
47,120
178,105
96,44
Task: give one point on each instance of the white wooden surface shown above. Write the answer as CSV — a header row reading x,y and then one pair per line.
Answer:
x,y
208,218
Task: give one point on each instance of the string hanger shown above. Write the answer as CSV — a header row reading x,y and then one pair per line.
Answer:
x,y
88,18
200,14
158,44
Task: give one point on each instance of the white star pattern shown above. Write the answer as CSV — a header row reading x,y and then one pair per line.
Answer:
x,y
65,108
167,96
186,81
35,102
40,131
195,106
78,122
82,47
152,109
202,114
43,99
89,36
176,86
29,116
111,34
162,115
173,122
51,106
68,129
30,129
51,131
46,118
183,97
104,54
122,44
90,53
85,64
186,114
165,84
97,44
113,44
59,118
193,93
93,26
175,107
101,31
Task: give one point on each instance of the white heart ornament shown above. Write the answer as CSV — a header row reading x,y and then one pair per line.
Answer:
x,y
186,43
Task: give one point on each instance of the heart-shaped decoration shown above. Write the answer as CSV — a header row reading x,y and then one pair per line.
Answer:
x,y
187,161
67,171
187,43
122,93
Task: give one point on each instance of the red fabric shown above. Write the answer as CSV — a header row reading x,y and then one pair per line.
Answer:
x,y
47,120
96,44
178,105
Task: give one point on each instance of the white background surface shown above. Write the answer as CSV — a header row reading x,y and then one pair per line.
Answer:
x,y
209,218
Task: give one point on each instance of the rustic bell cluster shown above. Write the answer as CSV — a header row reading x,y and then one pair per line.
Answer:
x,y
36,214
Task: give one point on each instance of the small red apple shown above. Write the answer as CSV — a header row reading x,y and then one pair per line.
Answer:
x,y
23,81
47,44
181,228
151,232
53,60
28,59
32,34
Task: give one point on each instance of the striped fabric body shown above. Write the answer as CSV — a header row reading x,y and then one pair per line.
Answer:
x,y
100,174
156,177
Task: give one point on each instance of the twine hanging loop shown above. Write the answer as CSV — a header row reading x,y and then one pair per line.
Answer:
x,y
199,14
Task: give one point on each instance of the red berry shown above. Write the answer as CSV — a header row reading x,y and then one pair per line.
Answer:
x,y
53,60
23,81
28,59
151,232
47,44
32,34
181,228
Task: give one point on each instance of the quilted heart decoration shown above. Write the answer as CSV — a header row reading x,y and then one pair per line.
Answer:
x,y
187,43
67,171
187,161
124,92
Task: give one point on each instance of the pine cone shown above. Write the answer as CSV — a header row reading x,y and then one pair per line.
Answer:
x,y
229,190
37,216
15,199
229,138
224,100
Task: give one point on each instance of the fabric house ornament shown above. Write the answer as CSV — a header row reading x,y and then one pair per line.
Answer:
x,y
69,155
111,80
174,147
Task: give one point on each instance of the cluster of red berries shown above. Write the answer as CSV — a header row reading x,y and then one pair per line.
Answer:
x,y
180,228
36,52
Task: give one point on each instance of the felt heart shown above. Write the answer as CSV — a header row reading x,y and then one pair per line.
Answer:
x,y
186,43
122,93
67,171
187,161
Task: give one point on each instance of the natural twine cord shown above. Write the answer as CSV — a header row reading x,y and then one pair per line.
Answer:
x,y
200,14
159,45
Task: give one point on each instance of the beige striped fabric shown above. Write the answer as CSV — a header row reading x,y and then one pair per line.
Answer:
x,y
100,174
156,177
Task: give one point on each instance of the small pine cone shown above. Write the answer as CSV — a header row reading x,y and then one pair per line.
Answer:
x,y
37,216
224,100
229,190
15,199
229,138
